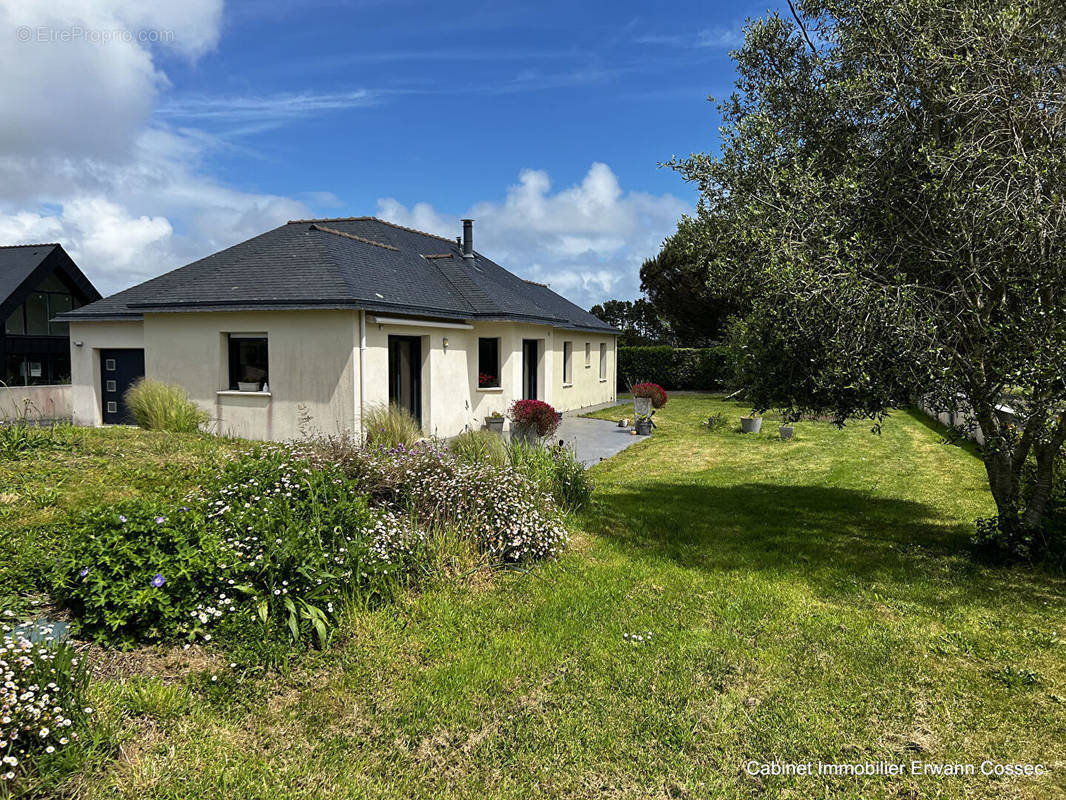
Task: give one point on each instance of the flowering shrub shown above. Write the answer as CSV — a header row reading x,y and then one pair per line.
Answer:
x,y
497,509
534,414
42,698
136,571
653,391
555,469
277,540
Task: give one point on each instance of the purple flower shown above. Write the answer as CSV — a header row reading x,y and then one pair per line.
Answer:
x,y
183,509
121,518
84,572
159,520
158,580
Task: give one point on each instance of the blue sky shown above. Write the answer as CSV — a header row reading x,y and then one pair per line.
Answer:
x,y
545,121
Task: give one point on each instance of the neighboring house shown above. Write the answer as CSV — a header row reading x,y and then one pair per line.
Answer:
x,y
37,282
307,325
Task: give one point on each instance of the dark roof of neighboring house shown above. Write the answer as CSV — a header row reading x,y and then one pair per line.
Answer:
x,y
24,266
353,262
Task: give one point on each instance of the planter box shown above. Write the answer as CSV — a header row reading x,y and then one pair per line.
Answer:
x,y
643,427
248,386
494,424
642,406
750,424
786,431
524,434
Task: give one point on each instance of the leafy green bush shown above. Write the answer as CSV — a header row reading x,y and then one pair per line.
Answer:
x,y
390,426
137,571
158,406
479,447
276,540
673,368
555,469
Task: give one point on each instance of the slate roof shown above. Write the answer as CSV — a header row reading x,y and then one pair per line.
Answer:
x,y
352,262
19,262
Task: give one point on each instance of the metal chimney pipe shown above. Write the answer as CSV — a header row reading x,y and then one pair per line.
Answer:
x,y
468,238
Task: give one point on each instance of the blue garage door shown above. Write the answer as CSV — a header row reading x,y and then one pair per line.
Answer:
x,y
118,369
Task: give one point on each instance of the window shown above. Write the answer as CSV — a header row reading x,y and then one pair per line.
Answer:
x,y
588,354
568,362
248,363
37,314
20,369
603,361
488,363
32,317
16,323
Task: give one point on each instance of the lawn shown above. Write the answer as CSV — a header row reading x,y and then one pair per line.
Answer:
x,y
799,601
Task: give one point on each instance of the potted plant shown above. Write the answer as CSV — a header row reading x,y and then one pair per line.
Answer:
x,y
494,422
532,420
786,431
750,424
247,384
647,396
643,425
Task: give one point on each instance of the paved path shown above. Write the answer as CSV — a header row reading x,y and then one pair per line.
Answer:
x,y
594,439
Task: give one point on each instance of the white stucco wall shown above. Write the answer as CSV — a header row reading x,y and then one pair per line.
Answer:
x,y
314,368
312,372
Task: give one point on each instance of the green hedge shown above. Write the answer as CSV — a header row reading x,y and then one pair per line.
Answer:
x,y
692,368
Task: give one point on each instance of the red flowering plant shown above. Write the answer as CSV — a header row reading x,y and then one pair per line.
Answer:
x,y
535,415
487,380
652,391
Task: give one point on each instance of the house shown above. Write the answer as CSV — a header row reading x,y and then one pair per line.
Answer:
x,y
311,323
37,283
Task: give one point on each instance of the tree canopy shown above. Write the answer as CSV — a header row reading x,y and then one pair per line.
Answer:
x,y
888,202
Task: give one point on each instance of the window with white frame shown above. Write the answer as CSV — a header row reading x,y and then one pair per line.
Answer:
x,y
588,354
603,361
568,362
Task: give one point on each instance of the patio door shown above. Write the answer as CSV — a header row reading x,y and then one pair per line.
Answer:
x,y
530,356
405,374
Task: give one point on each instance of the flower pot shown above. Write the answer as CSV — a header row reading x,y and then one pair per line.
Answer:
x,y
248,386
750,424
786,431
494,424
524,434
643,427
642,406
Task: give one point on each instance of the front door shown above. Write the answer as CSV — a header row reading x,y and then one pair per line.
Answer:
x,y
405,374
530,353
118,369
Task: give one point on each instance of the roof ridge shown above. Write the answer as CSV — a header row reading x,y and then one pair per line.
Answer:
x,y
316,227
38,244
371,219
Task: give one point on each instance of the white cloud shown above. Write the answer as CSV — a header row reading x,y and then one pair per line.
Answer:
x,y
587,241
81,159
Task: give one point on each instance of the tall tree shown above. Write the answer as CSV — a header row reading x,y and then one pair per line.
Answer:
x,y
637,319
676,282
892,179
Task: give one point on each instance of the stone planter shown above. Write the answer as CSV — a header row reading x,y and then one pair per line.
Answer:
x,y
643,427
494,424
786,431
642,407
750,424
524,434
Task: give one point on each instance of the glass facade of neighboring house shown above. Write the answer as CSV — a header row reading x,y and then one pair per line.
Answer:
x,y
35,350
